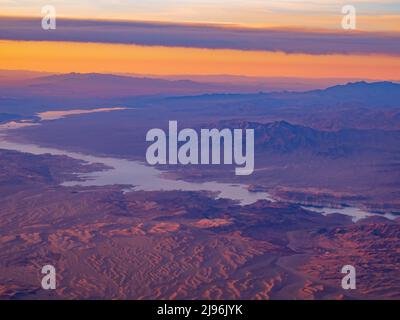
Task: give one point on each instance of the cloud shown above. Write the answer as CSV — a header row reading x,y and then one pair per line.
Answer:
x,y
203,36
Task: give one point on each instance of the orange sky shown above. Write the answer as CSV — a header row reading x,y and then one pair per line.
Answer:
x,y
117,58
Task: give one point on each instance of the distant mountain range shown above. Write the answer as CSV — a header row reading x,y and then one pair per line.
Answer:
x,y
108,86
353,105
284,137
356,94
383,93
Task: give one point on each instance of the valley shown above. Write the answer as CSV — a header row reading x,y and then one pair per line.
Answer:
x,y
76,192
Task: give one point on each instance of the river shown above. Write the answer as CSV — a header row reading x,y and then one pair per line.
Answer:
x,y
138,176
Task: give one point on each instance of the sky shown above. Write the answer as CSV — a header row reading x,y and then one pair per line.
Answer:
x,y
104,58
373,14
286,38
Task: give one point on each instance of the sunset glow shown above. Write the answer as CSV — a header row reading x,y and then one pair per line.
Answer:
x,y
117,58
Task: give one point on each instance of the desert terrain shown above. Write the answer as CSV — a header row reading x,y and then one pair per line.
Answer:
x,y
107,243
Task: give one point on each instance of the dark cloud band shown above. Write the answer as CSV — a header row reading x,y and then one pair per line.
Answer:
x,y
196,36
